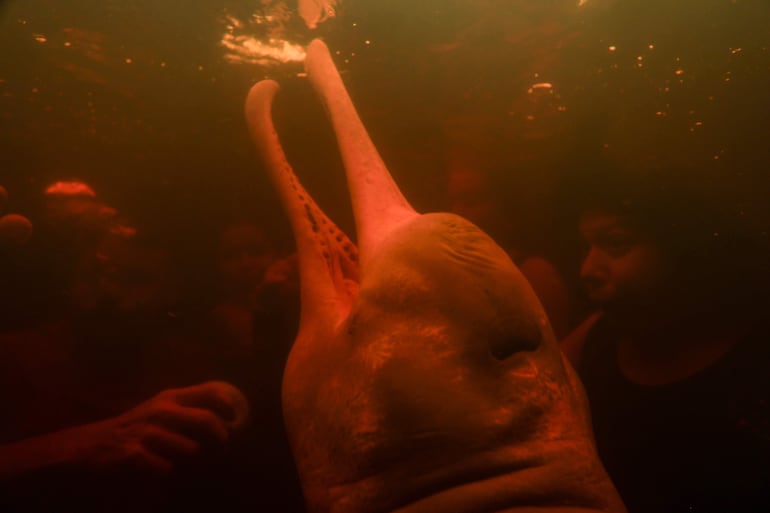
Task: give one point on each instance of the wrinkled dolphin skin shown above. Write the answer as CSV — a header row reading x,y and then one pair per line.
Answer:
x,y
425,376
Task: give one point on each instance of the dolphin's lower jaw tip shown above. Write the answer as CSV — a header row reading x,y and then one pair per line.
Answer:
x,y
260,98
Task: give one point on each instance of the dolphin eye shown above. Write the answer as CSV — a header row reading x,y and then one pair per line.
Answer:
x,y
522,337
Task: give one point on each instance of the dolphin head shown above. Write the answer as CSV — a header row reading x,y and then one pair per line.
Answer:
x,y
425,375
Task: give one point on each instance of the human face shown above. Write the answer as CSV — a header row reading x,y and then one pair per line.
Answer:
x,y
620,267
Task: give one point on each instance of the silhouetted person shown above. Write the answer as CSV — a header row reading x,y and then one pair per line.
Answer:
x,y
243,255
15,229
251,330
676,362
107,405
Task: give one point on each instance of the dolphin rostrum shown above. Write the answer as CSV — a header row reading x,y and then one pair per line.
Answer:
x,y
425,376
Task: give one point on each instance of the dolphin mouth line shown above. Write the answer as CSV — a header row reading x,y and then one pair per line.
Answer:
x,y
439,486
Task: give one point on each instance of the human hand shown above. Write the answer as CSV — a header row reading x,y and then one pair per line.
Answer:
x,y
163,432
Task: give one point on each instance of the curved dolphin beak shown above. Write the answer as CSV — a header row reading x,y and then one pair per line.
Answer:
x,y
328,260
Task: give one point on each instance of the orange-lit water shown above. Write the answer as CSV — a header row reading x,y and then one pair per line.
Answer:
x,y
139,105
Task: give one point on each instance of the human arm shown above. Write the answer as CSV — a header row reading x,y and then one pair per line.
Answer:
x,y
151,438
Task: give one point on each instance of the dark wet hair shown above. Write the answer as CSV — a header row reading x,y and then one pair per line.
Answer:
x,y
717,263
661,209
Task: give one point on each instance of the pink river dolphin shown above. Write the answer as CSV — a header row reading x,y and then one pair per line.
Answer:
x,y
425,376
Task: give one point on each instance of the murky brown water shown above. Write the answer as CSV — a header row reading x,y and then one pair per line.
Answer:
x,y
141,102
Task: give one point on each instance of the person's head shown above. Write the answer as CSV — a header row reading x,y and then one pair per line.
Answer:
x,y
623,265
15,229
129,276
647,246
75,213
